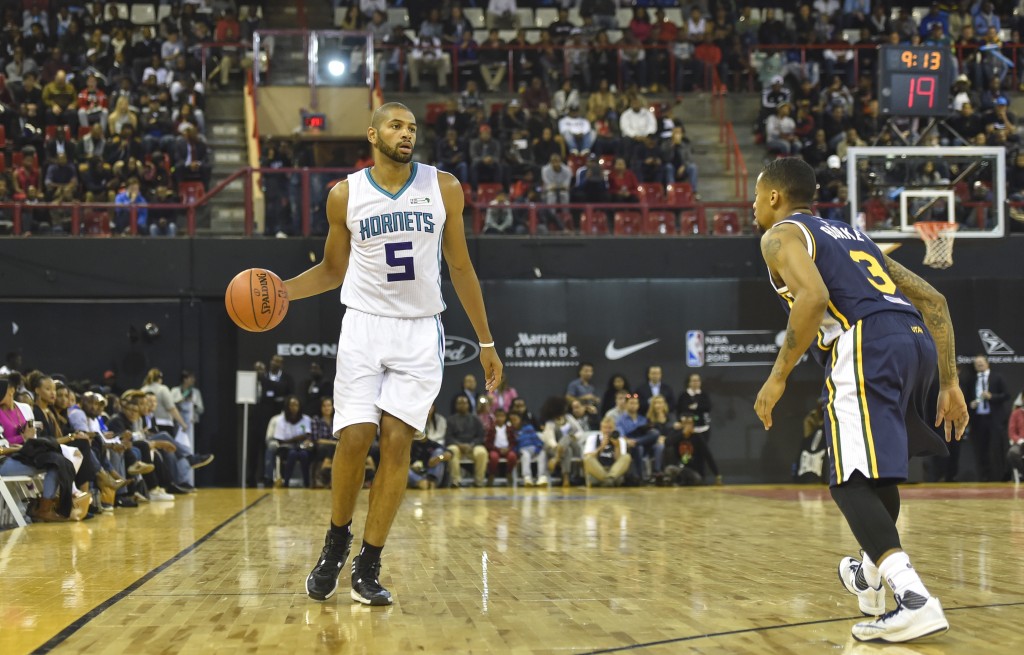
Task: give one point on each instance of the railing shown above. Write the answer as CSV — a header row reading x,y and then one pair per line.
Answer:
x,y
660,66
619,219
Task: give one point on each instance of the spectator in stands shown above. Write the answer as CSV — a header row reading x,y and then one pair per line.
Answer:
x,y
605,456
191,158
465,437
486,156
61,178
635,124
456,27
967,124
654,386
591,185
610,400
647,163
499,217
26,173
576,131
622,183
1015,432
500,442
427,463
469,99
451,155
292,443
564,98
493,61
131,196
601,104
353,19
123,147
556,179
561,28
509,121
61,101
20,65
501,14
677,155
92,104
551,59
427,54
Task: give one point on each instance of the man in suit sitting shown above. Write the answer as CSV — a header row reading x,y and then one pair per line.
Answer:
x,y
654,387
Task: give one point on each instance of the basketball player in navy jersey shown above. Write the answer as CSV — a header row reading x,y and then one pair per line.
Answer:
x,y
878,328
389,226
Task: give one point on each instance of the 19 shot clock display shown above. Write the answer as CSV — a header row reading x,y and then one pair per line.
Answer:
x,y
914,81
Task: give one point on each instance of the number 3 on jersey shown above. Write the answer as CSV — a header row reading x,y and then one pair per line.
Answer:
x,y
876,275
407,271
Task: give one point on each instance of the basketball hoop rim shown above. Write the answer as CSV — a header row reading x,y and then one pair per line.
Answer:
x,y
930,230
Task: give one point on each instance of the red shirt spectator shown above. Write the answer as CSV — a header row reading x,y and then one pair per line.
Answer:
x,y
622,183
92,97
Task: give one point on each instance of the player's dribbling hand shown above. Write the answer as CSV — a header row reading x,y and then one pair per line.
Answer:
x,y
951,412
769,394
492,367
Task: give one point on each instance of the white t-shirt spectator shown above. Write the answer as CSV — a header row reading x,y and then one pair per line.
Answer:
x,y
501,436
637,124
287,431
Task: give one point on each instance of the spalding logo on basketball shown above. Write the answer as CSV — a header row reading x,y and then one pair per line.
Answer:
x,y
256,300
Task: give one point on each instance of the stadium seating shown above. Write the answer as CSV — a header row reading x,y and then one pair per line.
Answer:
x,y
726,223
660,223
594,224
690,223
629,223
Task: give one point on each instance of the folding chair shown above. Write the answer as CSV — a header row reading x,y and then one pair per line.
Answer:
x,y
15,490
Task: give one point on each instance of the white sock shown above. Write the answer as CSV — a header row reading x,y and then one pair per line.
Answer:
x,y
899,573
871,574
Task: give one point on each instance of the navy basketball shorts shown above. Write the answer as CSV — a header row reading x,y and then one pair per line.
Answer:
x,y
871,378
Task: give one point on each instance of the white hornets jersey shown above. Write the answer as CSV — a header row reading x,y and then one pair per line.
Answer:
x,y
394,269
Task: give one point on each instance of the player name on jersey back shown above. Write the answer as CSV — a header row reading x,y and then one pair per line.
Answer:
x,y
395,262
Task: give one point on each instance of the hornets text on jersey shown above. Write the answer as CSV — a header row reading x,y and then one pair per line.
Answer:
x,y
394,268
853,269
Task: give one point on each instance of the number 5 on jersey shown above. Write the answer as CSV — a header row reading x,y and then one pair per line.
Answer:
x,y
407,271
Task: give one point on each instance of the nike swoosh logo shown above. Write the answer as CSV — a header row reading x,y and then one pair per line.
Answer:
x,y
613,353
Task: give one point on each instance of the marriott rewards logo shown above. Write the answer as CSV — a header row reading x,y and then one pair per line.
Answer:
x,y
533,350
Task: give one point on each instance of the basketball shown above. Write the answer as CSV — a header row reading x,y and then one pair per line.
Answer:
x,y
256,300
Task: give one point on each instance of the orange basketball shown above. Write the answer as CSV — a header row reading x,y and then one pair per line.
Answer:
x,y
256,300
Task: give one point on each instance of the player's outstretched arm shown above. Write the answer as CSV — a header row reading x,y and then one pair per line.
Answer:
x,y
330,272
785,252
952,408
467,286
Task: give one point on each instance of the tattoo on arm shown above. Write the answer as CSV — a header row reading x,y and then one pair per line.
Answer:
x,y
770,247
935,313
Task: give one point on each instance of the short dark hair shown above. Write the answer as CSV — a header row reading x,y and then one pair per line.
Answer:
x,y
793,177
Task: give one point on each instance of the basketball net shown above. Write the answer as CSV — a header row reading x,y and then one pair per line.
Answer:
x,y
938,239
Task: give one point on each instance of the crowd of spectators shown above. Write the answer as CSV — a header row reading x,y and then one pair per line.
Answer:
x,y
97,109
633,436
98,446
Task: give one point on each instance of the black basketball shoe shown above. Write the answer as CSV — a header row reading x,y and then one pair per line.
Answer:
x,y
323,579
366,587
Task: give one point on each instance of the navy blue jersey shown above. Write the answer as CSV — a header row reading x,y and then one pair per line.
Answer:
x,y
854,271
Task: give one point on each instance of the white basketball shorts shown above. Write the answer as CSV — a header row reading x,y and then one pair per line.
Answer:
x,y
387,364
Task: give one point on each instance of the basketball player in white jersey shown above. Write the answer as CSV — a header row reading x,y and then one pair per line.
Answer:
x,y
389,226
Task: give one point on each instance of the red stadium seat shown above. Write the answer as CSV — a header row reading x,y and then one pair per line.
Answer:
x,y
690,223
83,131
487,191
96,223
3,137
594,224
191,192
652,193
679,195
727,223
660,223
629,223
467,190
434,110
3,162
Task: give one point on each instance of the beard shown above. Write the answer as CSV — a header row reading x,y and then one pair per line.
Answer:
x,y
393,154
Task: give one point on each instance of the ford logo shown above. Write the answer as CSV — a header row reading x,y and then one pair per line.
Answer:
x,y
458,350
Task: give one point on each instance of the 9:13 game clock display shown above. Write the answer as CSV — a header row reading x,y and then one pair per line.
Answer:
x,y
914,81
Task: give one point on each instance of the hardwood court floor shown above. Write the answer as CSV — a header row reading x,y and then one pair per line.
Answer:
x,y
722,570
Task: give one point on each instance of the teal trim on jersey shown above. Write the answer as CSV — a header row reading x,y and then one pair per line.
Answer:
x,y
440,339
440,242
408,183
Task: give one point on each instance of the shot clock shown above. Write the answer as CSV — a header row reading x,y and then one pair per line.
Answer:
x,y
914,81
